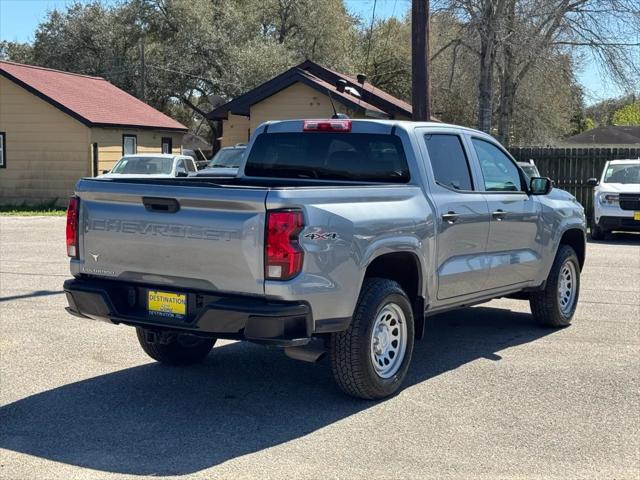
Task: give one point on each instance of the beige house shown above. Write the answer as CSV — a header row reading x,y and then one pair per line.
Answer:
x,y
56,127
305,91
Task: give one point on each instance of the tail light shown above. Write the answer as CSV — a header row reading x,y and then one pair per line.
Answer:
x,y
72,227
283,255
326,126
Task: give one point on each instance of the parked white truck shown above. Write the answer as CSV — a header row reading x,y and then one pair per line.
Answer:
x,y
616,198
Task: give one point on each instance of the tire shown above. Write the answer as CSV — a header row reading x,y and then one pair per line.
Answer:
x,y
384,305
549,307
178,349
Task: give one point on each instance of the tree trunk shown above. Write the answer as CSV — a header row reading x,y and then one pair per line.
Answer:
x,y
485,84
489,20
508,78
505,108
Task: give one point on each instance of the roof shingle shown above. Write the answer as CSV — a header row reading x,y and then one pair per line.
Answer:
x,y
92,100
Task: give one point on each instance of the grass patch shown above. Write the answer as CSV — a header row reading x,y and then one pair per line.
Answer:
x,y
49,209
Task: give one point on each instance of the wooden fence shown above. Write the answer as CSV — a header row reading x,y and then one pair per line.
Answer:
x,y
570,168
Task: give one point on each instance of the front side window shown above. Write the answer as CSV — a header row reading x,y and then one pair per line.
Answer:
x,y
3,150
364,157
448,161
129,145
499,172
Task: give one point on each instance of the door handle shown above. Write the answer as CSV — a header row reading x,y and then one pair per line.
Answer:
x,y
450,217
499,214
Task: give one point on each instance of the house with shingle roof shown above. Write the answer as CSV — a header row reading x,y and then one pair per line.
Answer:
x,y
56,127
305,91
607,135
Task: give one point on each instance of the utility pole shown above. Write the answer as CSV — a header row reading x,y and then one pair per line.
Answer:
x,y
420,94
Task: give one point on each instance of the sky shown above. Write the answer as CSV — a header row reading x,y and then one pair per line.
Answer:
x,y
20,18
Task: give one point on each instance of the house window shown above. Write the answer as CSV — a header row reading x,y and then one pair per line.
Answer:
x,y
167,145
3,150
129,144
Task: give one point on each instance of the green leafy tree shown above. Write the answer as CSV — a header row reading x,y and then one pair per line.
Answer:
x,y
627,115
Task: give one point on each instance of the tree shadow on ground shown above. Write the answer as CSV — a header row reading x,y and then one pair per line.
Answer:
x,y
159,420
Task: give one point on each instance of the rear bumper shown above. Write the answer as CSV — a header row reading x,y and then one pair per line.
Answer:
x,y
619,223
224,316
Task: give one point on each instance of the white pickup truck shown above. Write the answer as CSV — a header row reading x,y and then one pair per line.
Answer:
x,y
616,198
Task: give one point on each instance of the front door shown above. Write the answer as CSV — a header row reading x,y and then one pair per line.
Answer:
x,y
462,217
513,248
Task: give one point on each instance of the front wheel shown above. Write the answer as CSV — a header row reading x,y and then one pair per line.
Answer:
x,y
176,349
370,359
556,304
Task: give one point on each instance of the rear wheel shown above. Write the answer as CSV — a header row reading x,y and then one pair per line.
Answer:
x,y
178,349
556,304
370,359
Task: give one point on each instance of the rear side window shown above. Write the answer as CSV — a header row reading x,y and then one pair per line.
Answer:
x,y
448,161
329,156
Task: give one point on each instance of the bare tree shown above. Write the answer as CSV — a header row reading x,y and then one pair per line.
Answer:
x,y
535,30
512,36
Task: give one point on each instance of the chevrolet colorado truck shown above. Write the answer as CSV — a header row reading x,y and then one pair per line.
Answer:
x,y
337,236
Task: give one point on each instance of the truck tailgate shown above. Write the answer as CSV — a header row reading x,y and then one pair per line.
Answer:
x,y
202,237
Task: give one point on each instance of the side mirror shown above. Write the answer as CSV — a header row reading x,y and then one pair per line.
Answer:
x,y
181,172
540,185
104,172
592,182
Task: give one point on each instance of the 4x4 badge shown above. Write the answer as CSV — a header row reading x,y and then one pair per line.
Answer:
x,y
321,236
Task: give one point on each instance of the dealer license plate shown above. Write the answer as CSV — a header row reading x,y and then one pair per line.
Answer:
x,y
166,304
636,215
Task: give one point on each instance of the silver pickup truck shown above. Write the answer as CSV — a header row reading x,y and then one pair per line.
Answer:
x,y
337,236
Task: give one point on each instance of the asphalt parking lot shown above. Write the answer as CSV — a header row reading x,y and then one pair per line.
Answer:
x,y
489,394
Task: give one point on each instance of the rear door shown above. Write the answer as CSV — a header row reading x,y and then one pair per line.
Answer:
x,y
202,237
462,215
513,248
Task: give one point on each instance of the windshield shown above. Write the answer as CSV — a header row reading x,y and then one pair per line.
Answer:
x,y
530,170
622,173
329,156
144,165
227,158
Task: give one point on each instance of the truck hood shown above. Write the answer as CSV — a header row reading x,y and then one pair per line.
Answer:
x,y
619,187
559,194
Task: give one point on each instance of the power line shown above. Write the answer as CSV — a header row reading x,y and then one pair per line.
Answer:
x,y
373,18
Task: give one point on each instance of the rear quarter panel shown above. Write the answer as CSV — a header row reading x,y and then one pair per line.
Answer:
x,y
346,229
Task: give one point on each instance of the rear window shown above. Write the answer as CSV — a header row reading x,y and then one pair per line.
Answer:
x,y
144,165
329,156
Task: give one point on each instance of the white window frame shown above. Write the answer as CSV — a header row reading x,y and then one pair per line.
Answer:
x,y
3,150
126,137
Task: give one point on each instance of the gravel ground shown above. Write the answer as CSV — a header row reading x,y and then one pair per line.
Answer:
x,y
489,395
